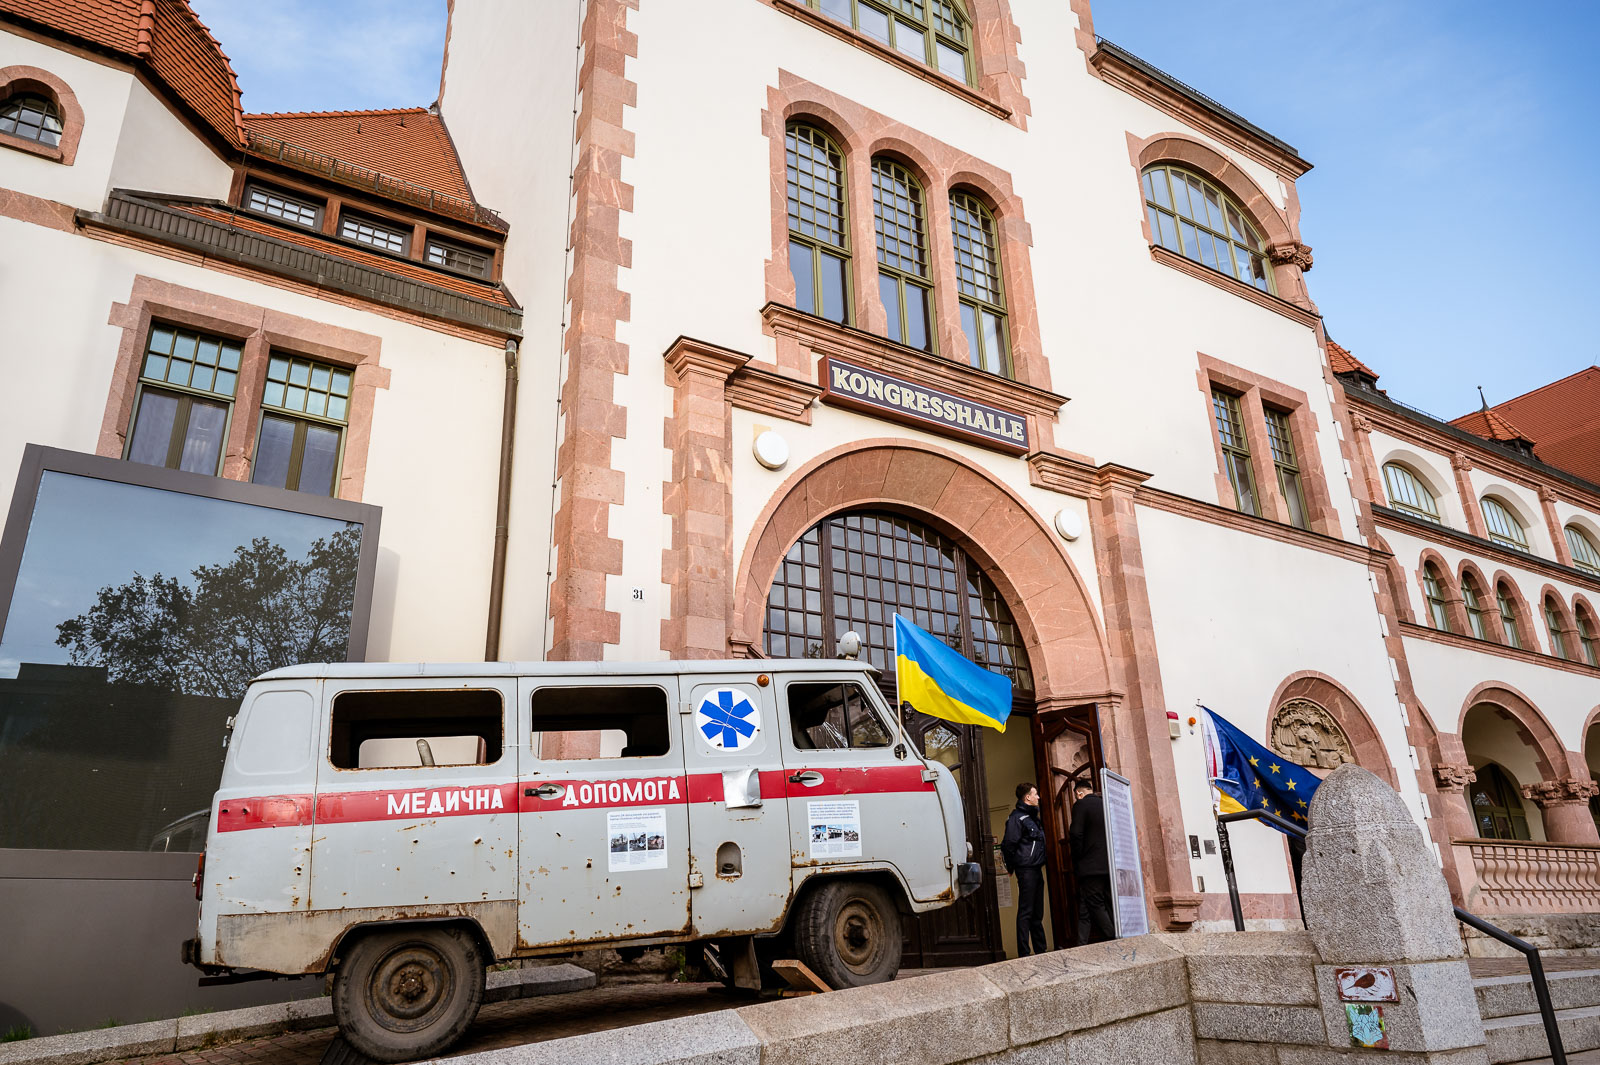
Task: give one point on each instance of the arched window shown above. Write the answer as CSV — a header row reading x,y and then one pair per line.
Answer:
x,y
819,240
983,303
1586,637
1473,598
1552,622
1584,554
1508,614
1503,526
32,117
1496,805
935,32
1433,591
1191,216
1408,493
899,217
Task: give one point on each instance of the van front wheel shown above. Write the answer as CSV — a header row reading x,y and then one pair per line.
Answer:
x,y
848,933
408,993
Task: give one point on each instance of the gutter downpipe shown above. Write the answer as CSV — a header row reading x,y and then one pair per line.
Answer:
x,y
502,507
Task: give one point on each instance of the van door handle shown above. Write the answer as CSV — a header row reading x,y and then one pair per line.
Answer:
x,y
809,777
544,791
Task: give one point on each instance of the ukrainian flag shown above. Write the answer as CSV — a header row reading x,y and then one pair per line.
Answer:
x,y
946,684
1249,776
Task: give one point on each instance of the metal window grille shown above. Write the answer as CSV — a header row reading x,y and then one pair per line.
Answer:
x,y
1235,449
1504,528
377,234
280,205
1194,218
1408,493
858,569
31,117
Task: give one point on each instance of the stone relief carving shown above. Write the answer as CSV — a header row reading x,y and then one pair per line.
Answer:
x,y
1291,252
1307,735
1450,776
1546,792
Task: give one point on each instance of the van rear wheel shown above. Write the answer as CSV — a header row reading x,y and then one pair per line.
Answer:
x,y
848,933
408,993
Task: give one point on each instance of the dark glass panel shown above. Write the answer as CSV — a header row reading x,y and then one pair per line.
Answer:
x,y
152,428
273,452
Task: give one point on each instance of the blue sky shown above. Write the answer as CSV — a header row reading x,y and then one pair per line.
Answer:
x,y
1454,143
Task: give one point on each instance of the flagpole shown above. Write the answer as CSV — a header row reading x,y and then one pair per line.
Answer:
x,y
1223,844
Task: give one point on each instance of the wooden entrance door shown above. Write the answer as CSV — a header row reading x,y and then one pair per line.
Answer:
x,y
1067,746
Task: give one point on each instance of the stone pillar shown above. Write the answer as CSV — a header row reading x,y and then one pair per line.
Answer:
x,y
1565,805
1450,802
1375,901
1469,499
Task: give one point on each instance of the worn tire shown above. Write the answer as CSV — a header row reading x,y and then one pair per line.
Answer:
x,y
848,933
410,992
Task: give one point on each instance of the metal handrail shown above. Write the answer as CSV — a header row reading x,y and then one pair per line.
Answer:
x,y
1541,985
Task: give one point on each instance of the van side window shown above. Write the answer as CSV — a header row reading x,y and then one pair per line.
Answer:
x,y
601,721
827,717
416,729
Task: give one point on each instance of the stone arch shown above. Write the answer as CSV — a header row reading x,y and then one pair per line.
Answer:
x,y
1251,198
1468,572
826,119
1534,729
1442,486
1368,747
1551,595
1455,607
1528,517
1046,594
1582,608
912,157
1395,575
1527,631
23,78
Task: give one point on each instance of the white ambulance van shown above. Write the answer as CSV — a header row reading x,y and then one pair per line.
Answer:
x,y
404,826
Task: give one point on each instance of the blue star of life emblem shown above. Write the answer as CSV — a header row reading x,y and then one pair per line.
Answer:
x,y
728,719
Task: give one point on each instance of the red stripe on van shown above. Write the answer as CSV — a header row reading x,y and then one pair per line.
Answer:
x,y
263,811
875,780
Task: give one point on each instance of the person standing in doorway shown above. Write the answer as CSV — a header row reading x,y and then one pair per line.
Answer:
x,y
1023,850
1091,866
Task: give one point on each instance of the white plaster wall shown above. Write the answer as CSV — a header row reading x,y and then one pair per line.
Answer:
x,y
436,487
508,101
158,153
1235,616
102,92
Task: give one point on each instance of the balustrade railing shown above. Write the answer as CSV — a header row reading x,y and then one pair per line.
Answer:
x,y
1518,876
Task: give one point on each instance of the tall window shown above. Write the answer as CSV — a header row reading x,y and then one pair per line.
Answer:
x,y
1584,554
32,117
1496,806
819,243
1508,615
1282,442
1552,622
1192,217
897,211
304,409
935,32
1408,493
1473,598
186,389
1433,591
1586,638
1235,450
1503,526
983,306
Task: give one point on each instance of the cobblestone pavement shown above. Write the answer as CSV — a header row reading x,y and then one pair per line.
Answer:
x,y
500,1024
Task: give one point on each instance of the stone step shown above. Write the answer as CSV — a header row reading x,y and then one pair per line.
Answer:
x,y
1506,996
1521,1037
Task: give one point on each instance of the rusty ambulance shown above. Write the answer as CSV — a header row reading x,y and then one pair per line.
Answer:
x,y
404,826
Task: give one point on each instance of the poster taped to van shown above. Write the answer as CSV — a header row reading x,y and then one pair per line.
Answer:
x,y
637,839
835,828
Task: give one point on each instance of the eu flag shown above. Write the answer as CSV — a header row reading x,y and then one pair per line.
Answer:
x,y
944,683
1249,776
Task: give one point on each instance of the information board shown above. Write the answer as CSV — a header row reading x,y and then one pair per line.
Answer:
x,y
1122,843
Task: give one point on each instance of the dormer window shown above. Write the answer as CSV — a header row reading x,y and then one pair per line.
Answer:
x,y
281,205
458,257
32,117
385,236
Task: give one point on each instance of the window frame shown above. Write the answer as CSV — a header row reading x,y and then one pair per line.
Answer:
x,y
1496,783
1507,605
1554,628
1587,645
1156,211
816,247
1418,509
301,420
448,244
1433,595
1472,601
186,394
318,208
893,12
966,295
51,110
1235,447
1280,441
903,278
1585,555
1516,534
349,215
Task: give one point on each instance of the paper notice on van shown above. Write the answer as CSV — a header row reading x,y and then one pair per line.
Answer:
x,y
637,839
835,828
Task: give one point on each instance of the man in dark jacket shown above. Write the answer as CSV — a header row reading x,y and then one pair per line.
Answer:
x,y
1023,850
1091,866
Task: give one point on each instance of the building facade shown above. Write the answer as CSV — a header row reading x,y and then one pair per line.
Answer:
x,y
939,307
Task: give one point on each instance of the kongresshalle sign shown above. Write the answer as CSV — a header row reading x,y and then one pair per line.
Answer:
x,y
875,392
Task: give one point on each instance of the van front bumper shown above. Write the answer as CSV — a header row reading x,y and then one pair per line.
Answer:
x,y
969,878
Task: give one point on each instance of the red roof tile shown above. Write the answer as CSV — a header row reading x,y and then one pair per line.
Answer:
x,y
1562,418
407,143
171,41
1490,424
466,286
1343,362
